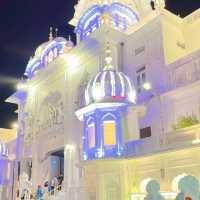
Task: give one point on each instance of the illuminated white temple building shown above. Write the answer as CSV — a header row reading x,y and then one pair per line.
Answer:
x,y
7,157
118,113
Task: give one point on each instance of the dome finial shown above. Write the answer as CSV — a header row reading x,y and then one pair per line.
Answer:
x,y
108,58
56,30
50,34
69,37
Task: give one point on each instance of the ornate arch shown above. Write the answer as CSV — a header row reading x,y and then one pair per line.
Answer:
x,y
90,120
109,116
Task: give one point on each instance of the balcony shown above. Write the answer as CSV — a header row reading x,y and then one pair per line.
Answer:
x,y
175,140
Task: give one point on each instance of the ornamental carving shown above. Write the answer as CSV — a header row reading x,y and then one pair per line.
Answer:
x,y
50,113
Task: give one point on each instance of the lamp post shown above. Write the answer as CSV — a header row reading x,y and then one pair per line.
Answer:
x,y
148,87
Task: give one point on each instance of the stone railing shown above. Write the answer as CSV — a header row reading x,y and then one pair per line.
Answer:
x,y
74,193
183,138
54,194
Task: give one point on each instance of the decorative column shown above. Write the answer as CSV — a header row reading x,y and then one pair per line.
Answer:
x,y
1,192
118,134
71,179
85,139
99,135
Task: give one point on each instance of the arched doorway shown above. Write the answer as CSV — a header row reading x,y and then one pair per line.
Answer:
x,y
57,163
176,181
188,187
143,184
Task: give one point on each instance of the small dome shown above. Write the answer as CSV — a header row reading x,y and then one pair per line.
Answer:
x,y
46,53
108,86
3,149
117,14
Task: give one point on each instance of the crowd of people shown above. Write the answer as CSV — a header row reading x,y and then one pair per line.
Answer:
x,y
49,188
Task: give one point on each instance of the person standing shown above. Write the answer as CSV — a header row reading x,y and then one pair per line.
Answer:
x,y
39,193
54,185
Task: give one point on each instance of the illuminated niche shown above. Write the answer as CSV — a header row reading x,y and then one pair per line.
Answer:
x,y
109,129
91,133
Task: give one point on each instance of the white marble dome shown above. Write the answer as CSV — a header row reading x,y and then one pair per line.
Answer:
x,y
110,85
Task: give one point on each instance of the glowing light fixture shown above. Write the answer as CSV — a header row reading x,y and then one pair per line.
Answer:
x,y
14,125
72,61
196,141
31,89
21,86
69,147
147,86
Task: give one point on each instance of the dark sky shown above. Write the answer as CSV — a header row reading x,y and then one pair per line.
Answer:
x,y
24,24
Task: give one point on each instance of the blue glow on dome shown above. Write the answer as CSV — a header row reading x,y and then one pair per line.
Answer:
x,y
108,96
119,14
110,85
44,54
33,65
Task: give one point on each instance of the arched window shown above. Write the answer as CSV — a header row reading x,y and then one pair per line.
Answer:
x,y
45,60
50,56
91,133
55,52
109,129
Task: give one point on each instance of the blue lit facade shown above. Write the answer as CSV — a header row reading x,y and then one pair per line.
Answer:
x,y
4,161
44,54
97,118
108,96
118,15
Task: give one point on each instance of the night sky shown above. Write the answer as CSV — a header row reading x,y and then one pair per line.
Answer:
x,y
24,24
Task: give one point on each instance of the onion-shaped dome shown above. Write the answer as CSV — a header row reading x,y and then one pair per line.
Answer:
x,y
110,85
117,14
46,53
3,150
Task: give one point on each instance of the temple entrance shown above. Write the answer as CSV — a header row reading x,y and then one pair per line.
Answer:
x,y
56,171
57,163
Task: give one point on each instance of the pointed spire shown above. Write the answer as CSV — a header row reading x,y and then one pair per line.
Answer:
x,y
56,31
108,58
69,38
31,57
50,34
